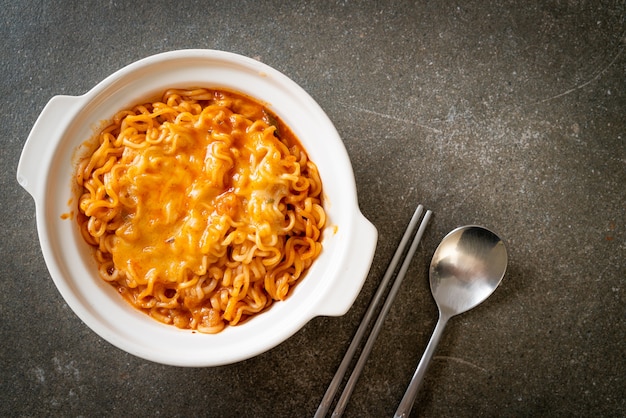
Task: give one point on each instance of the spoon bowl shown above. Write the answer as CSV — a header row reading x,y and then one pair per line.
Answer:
x,y
466,268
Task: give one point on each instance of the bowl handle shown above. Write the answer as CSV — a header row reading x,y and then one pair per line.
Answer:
x,y
341,297
42,140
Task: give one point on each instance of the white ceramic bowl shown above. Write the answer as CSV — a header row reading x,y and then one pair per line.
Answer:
x,y
46,170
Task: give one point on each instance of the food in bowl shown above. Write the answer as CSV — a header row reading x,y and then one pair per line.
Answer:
x,y
203,208
47,170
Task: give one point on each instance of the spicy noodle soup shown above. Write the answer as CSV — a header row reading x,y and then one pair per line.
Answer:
x,y
203,208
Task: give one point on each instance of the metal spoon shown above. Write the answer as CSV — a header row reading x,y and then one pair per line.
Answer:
x,y
466,268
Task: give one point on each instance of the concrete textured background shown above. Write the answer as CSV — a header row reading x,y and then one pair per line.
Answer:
x,y
503,113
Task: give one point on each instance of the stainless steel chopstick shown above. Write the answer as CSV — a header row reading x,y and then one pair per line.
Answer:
x,y
356,340
358,336
347,391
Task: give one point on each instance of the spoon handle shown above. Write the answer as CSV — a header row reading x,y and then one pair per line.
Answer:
x,y
404,408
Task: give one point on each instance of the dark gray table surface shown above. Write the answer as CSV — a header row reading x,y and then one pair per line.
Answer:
x,y
503,113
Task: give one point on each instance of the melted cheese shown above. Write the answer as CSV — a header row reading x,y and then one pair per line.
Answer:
x,y
186,200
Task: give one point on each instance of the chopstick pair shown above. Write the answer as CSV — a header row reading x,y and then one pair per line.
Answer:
x,y
360,333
